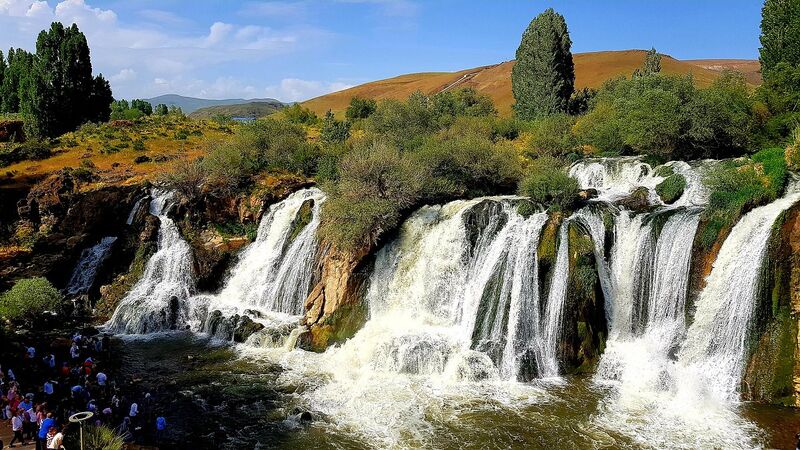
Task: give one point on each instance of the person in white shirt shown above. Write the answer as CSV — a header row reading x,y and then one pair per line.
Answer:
x,y
101,379
74,351
16,427
48,388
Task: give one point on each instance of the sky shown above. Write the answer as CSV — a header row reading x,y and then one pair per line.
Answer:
x,y
296,50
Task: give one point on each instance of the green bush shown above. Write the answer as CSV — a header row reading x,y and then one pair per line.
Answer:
x,y
468,165
376,184
139,146
547,183
96,437
29,299
360,108
182,134
552,136
671,188
299,115
737,186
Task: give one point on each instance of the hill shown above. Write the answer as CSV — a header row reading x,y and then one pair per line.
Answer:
x,y
251,109
192,104
591,70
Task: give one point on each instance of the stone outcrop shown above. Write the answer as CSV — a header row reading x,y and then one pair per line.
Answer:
x,y
335,309
59,218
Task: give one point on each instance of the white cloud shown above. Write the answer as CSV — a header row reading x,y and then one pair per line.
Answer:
x,y
174,57
162,17
295,90
392,8
123,76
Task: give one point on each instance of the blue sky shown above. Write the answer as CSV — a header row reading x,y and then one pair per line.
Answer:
x,y
295,50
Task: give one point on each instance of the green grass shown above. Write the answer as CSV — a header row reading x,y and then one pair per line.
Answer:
x,y
738,186
671,188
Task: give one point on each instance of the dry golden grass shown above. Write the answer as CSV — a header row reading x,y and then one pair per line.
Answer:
x,y
591,70
157,134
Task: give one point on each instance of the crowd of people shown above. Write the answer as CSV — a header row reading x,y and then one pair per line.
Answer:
x,y
40,392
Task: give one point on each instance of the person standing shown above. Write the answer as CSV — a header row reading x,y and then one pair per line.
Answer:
x,y
16,428
44,428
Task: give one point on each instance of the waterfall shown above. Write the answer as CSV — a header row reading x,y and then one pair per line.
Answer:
x,y
715,350
135,210
85,272
548,363
274,272
157,302
458,292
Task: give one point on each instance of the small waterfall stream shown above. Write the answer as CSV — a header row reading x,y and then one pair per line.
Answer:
x,y
158,301
85,272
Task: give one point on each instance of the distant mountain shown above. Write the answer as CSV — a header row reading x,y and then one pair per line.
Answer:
x,y
250,109
192,104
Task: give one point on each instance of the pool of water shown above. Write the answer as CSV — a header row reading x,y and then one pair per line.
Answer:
x,y
218,396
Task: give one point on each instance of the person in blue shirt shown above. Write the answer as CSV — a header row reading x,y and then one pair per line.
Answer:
x,y
41,442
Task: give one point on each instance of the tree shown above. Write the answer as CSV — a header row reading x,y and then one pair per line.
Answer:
x,y
652,64
2,74
543,77
142,105
18,68
99,103
780,34
162,110
333,131
360,108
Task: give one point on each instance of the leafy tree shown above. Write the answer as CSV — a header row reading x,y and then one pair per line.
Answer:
x,y
299,115
543,77
29,299
721,117
99,103
465,102
144,106
780,34
580,101
18,69
652,64
2,74
360,108
334,131
161,109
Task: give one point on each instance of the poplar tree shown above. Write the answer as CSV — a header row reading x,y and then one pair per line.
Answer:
x,y
543,77
780,34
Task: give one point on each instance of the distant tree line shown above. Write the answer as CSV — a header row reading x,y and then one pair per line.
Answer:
x,y
123,110
54,89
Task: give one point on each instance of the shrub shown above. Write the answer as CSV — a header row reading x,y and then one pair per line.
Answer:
x,y
139,146
671,188
376,184
299,115
97,437
468,165
737,186
360,108
548,183
552,136
333,131
29,299
182,134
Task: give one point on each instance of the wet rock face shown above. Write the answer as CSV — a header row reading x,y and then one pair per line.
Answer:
x,y
486,216
64,221
637,201
235,328
773,370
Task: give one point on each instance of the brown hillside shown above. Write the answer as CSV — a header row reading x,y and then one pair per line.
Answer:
x,y
751,68
591,70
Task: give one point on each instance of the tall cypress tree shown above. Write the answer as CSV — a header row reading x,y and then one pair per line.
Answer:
x,y
2,75
780,34
543,77
19,67
100,100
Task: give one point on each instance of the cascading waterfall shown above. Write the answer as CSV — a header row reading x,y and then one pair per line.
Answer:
x,y
158,301
461,278
273,277
85,272
715,350
554,313
274,272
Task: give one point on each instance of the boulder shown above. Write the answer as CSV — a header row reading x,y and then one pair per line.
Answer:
x,y
637,201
